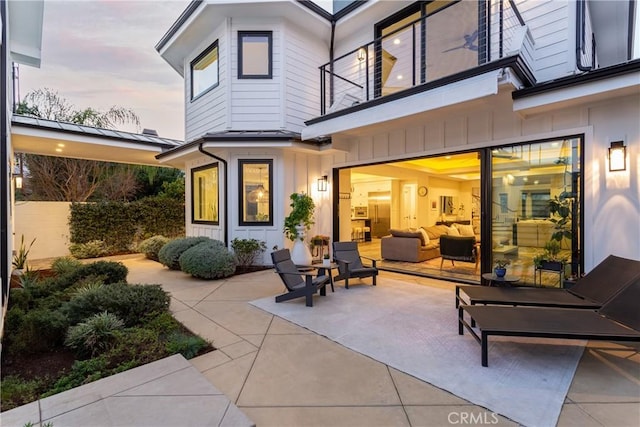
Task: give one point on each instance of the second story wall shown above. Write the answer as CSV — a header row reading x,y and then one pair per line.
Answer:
x,y
552,24
303,56
256,104
208,112
284,101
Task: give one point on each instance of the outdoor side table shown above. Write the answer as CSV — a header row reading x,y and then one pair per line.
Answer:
x,y
326,269
500,281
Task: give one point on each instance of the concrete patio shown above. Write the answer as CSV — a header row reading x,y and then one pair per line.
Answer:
x,y
279,374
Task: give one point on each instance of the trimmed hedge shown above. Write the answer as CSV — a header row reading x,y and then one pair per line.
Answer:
x,y
170,253
120,224
208,260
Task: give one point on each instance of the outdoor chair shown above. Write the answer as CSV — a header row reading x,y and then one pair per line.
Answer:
x,y
298,283
350,263
459,248
617,320
590,292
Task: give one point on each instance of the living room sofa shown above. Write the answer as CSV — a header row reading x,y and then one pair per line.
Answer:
x,y
414,245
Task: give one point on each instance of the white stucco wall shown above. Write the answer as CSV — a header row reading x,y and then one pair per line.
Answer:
x,y
48,223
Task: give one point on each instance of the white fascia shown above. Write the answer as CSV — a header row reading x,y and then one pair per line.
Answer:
x,y
455,93
586,92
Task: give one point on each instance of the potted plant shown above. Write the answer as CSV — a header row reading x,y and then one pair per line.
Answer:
x,y
326,260
550,258
297,223
501,267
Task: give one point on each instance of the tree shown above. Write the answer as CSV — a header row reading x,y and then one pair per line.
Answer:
x,y
77,180
47,104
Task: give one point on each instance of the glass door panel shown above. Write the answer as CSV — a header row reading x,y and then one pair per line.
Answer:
x,y
534,214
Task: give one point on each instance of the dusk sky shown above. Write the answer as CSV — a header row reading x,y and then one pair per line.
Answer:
x,y
99,53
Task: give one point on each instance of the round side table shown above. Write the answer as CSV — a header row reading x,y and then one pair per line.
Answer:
x,y
500,281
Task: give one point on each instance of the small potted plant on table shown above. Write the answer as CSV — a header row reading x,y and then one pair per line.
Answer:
x,y
296,224
501,267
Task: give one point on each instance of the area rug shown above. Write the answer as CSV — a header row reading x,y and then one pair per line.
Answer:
x,y
413,328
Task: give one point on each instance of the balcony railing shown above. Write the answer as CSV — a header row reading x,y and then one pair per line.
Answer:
x,y
452,40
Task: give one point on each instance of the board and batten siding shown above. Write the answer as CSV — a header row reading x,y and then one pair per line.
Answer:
x,y
292,172
256,104
208,112
497,124
303,56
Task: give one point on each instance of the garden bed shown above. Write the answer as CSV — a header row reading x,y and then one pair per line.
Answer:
x,y
82,323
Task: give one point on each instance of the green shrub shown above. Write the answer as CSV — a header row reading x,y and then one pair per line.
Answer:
x,y
152,246
82,372
15,391
65,265
95,335
161,215
187,345
170,253
247,250
208,260
131,303
39,330
135,347
164,324
91,249
108,271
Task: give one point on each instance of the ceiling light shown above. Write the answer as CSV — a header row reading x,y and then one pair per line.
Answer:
x,y
58,150
60,145
399,77
396,41
525,179
536,182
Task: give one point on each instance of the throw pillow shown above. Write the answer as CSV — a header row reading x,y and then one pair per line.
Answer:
x,y
465,230
453,231
425,236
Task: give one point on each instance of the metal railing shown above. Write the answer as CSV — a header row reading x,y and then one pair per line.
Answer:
x,y
424,50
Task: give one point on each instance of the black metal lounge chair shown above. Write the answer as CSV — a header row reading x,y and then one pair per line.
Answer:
x,y
617,320
297,285
591,292
350,263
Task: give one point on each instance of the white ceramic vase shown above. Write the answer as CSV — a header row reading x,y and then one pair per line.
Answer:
x,y
300,253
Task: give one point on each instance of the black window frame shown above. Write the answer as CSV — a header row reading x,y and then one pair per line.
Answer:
x,y
241,210
216,166
204,53
269,35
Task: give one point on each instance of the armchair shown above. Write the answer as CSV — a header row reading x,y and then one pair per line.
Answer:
x,y
350,263
297,285
459,248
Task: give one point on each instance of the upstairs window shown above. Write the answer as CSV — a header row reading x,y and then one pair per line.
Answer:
x,y
255,49
204,71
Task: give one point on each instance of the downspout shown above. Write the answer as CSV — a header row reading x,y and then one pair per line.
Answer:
x,y
5,193
226,192
580,5
331,55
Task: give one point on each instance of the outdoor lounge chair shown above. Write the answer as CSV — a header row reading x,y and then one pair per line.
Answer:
x,y
591,292
350,263
297,285
617,320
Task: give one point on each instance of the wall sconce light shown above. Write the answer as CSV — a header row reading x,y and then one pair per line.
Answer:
x,y
322,183
361,55
18,180
617,156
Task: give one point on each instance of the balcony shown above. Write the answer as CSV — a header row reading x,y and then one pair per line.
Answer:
x,y
456,42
